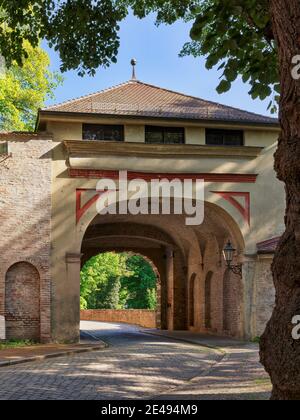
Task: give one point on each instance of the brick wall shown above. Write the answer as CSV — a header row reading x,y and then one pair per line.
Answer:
x,y
142,317
2,328
25,210
265,293
22,302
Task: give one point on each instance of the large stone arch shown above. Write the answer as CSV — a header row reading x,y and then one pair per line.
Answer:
x,y
22,302
177,249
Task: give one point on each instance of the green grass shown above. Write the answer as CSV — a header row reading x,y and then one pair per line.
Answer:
x,y
14,344
263,382
256,340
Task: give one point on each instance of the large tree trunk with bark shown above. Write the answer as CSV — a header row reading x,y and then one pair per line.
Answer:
x,y
280,353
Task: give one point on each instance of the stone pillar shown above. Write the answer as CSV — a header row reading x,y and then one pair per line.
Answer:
x,y
159,302
249,292
2,328
170,287
72,305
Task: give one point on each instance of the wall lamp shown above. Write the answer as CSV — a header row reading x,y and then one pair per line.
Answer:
x,y
228,255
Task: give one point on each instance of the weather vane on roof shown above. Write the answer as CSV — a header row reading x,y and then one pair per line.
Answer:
x,y
133,63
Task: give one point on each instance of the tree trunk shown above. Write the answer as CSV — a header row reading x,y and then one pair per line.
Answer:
x,y
280,353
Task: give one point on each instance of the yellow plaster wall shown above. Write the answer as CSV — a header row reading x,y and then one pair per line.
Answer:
x,y
267,198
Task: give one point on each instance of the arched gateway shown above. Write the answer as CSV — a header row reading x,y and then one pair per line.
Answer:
x,y
50,217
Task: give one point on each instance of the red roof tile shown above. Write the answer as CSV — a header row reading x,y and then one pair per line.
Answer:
x,y
139,99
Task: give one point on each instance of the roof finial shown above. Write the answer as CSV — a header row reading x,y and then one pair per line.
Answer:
x,y
133,63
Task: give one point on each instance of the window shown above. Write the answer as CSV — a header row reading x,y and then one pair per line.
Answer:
x,y
4,148
103,132
224,137
164,135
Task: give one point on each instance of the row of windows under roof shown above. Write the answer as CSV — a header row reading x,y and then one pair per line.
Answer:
x,y
162,135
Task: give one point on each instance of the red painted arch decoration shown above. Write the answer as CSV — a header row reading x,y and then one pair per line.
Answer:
x,y
244,210
212,177
82,208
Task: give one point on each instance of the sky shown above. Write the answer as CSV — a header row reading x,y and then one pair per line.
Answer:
x,y
157,52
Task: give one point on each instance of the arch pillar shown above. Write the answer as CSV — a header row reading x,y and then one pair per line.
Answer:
x,y
170,287
73,266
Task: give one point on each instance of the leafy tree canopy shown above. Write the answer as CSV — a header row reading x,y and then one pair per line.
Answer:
x,y
118,281
235,35
100,281
23,90
139,284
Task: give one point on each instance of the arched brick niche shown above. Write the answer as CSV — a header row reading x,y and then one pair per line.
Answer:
x,y
192,300
208,300
22,302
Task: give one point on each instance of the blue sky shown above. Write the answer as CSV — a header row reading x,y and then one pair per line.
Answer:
x,y
156,50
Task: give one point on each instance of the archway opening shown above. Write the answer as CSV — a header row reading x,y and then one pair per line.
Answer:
x,y
121,287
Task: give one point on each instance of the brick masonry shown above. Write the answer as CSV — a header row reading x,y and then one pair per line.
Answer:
x,y
25,208
2,328
264,293
22,302
142,317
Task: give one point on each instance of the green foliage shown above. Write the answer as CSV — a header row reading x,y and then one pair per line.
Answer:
x,y
118,281
14,344
100,281
139,284
85,32
23,90
235,35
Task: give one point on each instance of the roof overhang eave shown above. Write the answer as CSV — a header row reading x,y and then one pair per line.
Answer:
x,y
63,114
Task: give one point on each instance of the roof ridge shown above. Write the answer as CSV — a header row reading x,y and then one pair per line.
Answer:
x,y
90,95
205,100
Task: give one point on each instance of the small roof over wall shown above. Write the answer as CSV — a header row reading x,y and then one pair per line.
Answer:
x,y
141,100
23,135
269,246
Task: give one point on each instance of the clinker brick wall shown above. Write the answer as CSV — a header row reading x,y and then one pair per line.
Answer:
x,y
22,302
25,210
142,317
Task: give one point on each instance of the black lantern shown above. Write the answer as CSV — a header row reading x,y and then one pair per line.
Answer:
x,y
229,252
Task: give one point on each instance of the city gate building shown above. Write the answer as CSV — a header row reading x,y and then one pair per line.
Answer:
x,y
50,225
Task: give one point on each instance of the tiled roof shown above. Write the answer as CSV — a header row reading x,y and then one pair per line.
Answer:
x,y
268,246
138,99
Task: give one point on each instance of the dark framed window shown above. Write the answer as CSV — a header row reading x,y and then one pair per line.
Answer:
x,y
165,135
224,137
4,148
103,132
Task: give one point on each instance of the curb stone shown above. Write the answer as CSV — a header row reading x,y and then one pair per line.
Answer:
x,y
221,350
40,358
